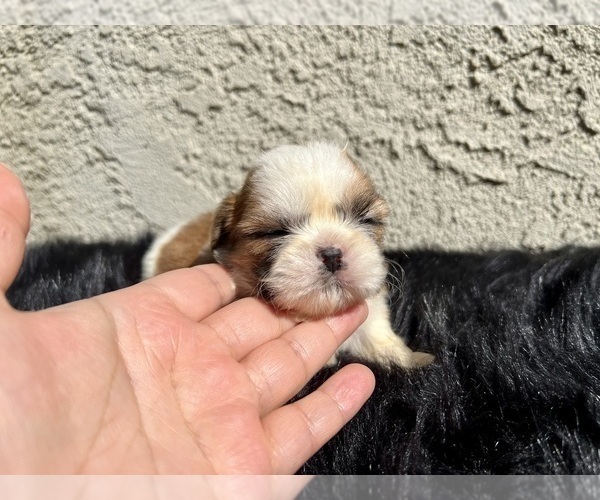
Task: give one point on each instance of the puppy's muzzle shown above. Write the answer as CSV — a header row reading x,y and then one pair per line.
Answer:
x,y
332,258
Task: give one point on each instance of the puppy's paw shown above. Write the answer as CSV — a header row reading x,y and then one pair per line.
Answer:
x,y
392,353
421,359
397,353
331,362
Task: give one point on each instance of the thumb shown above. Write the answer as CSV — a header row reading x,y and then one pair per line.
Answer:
x,y
14,225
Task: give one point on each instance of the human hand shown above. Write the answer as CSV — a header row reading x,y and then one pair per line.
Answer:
x,y
182,487
168,376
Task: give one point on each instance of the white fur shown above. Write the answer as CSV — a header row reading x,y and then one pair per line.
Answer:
x,y
297,274
290,177
150,260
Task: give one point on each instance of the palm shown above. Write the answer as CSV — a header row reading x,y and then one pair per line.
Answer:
x,y
150,388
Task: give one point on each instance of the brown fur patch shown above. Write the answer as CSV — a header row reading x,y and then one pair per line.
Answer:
x,y
189,247
247,261
381,211
223,222
364,192
233,243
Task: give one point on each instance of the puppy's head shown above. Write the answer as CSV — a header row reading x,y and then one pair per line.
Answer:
x,y
304,232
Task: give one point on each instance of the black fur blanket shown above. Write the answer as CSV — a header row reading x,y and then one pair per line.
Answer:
x,y
516,383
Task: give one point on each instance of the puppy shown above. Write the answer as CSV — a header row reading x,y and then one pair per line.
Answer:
x,y
304,233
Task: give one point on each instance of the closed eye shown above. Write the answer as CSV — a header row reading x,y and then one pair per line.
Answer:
x,y
362,210
370,221
271,233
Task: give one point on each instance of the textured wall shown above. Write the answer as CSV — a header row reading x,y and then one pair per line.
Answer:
x,y
479,136
300,12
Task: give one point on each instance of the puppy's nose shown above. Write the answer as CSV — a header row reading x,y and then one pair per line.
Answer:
x,y
331,258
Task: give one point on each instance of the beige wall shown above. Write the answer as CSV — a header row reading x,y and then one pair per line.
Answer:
x,y
478,136
300,12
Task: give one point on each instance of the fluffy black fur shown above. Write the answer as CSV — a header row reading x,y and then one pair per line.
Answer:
x,y
515,388
64,271
516,383
439,487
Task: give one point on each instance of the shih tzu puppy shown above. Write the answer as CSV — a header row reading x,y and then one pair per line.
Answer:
x,y
304,233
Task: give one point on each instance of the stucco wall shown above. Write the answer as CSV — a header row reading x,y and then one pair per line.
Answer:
x,y
480,137
300,12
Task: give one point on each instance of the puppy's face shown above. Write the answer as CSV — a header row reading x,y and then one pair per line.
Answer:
x,y
305,232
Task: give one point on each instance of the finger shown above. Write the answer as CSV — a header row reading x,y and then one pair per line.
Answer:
x,y
256,487
280,368
196,292
13,199
14,225
245,325
298,430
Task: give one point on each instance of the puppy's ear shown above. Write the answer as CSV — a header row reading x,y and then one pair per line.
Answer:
x,y
223,223
228,215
